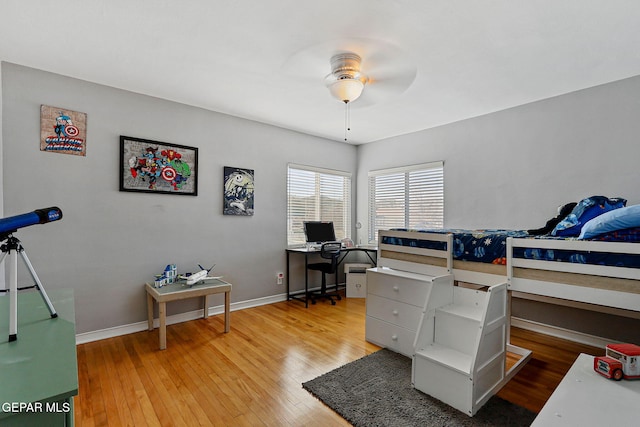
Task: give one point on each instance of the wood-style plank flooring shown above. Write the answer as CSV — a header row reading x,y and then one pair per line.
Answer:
x,y
252,376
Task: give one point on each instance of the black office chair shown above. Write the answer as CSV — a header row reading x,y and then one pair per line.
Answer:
x,y
329,250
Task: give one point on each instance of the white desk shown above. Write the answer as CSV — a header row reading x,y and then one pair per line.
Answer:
x,y
586,398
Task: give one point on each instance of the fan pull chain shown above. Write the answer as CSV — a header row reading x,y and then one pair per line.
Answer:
x,y
347,118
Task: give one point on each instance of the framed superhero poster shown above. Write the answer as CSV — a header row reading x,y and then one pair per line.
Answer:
x,y
63,131
158,167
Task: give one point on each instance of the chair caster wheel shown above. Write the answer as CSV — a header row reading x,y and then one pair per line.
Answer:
x,y
333,302
338,297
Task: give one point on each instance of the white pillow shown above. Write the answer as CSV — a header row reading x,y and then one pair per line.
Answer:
x,y
617,219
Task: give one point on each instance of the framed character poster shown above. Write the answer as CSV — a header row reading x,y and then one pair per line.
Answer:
x,y
238,191
63,131
158,167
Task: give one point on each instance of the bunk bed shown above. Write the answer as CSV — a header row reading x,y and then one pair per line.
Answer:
x,y
600,267
588,253
602,271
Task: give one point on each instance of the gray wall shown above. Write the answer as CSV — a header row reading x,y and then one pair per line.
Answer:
x,y
509,169
513,168
109,242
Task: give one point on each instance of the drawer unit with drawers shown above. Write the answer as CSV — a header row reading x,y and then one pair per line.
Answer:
x,y
395,300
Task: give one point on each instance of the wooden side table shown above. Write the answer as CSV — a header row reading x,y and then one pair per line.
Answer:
x,y
179,290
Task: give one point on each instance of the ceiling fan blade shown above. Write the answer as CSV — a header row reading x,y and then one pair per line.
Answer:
x,y
386,87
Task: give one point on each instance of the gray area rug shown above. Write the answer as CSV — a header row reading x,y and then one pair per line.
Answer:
x,y
376,391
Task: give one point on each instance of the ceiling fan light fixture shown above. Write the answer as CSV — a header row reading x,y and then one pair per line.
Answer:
x,y
345,82
346,89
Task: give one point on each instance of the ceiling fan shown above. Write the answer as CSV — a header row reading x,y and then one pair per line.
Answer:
x,y
369,71
384,69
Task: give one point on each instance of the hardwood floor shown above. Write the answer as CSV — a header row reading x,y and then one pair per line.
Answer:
x,y
252,376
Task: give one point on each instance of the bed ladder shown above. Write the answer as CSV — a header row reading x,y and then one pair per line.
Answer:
x,y
461,345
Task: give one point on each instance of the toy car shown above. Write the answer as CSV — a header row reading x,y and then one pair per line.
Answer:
x,y
621,361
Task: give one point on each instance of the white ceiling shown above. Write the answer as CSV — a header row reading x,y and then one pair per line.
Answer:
x,y
431,62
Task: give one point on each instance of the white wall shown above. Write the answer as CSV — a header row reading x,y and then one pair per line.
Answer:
x,y
109,242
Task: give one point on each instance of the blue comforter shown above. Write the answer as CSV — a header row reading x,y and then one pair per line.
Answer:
x,y
488,246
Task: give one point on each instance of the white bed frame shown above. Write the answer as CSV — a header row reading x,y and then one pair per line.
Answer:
x,y
616,287
436,262
419,260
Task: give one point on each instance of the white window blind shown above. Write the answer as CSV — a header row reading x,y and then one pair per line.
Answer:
x,y
315,194
406,197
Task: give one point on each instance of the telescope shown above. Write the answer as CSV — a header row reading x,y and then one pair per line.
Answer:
x,y
39,216
12,247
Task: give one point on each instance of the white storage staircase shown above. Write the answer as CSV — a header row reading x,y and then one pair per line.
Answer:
x,y
461,345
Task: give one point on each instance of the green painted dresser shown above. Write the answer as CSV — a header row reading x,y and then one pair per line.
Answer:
x,y
38,371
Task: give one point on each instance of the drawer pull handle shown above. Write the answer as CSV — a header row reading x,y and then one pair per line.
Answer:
x,y
394,337
395,312
396,288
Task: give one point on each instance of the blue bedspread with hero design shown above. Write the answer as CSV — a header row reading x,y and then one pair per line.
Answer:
x,y
490,246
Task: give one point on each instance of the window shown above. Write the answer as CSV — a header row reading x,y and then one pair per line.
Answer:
x,y
406,197
315,194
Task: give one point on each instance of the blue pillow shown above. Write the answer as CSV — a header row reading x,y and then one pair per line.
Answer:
x,y
618,219
585,210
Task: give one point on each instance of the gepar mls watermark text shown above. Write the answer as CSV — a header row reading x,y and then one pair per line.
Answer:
x,y
35,407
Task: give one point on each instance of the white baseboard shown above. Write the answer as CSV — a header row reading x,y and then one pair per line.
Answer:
x,y
566,334
116,331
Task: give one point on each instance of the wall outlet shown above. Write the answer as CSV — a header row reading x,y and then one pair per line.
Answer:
x,y
279,278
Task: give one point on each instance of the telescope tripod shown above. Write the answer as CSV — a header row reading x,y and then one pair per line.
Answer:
x,y
13,247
